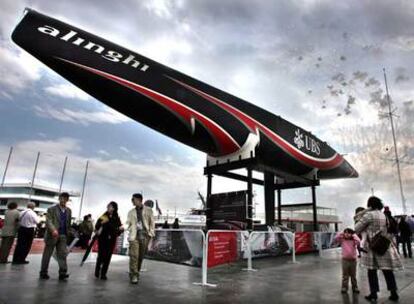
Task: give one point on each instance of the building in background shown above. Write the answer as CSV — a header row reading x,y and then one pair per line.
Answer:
x,y
21,193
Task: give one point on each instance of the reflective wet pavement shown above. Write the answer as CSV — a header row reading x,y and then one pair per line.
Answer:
x,y
311,280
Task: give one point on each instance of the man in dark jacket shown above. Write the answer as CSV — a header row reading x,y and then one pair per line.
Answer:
x,y
58,220
405,237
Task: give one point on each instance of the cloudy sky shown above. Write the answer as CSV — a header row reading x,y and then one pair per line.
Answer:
x,y
316,63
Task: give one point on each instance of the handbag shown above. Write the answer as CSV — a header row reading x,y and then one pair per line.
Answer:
x,y
379,243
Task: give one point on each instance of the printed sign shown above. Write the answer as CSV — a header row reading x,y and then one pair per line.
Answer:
x,y
222,248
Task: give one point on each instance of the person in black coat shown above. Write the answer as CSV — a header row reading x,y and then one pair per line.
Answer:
x,y
405,237
108,227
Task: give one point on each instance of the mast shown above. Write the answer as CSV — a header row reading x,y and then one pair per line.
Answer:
x,y
34,175
7,167
397,159
83,189
63,174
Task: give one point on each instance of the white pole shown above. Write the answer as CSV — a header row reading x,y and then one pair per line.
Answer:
x,y
83,189
7,167
293,248
320,243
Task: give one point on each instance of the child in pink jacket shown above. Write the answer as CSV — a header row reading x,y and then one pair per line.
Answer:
x,y
349,242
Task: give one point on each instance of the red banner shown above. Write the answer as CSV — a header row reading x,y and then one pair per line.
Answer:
x,y
222,248
303,242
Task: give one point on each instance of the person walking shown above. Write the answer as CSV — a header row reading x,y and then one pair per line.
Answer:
x,y
349,242
405,237
9,230
108,228
141,227
58,223
85,231
28,222
372,223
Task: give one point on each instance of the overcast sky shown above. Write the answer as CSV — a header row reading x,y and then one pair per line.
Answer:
x,y
318,64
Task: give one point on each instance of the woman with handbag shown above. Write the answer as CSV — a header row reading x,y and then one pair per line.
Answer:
x,y
381,252
108,228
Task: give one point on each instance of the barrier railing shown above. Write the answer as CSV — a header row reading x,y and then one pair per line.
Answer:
x,y
219,247
278,243
326,241
221,237
184,246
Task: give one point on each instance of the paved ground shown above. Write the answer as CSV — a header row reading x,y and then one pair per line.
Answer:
x,y
311,280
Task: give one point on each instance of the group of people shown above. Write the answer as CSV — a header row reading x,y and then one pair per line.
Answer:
x,y
374,240
22,224
140,225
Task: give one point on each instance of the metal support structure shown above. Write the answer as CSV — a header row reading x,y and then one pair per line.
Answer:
x,y
249,199
269,181
34,175
63,174
7,167
315,211
279,206
83,189
284,181
397,159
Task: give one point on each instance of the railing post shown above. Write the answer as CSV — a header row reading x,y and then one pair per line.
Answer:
x,y
249,254
320,243
205,263
293,247
204,267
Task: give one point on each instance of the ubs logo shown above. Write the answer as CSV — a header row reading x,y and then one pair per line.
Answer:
x,y
304,141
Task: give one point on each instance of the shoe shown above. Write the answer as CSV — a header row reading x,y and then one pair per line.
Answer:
x,y
97,273
344,290
394,296
371,298
355,290
44,276
20,262
104,277
134,280
5,262
63,277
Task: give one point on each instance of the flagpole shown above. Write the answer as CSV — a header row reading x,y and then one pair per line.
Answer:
x,y
6,168
397,159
